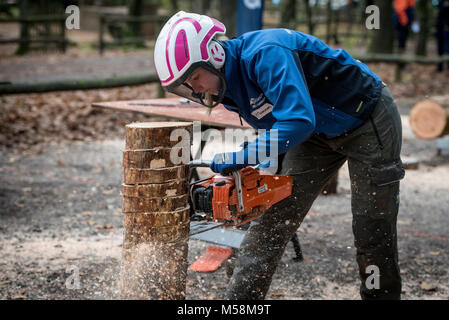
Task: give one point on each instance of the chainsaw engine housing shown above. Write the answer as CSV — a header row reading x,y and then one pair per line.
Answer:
x,y
217,197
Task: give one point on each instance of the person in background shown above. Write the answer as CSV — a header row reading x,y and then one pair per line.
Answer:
x,y
442,31
403,16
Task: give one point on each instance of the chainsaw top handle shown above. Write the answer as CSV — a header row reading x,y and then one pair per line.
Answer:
x,y
229,170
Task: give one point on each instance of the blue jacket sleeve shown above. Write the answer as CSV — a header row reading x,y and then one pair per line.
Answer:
x,y
279,75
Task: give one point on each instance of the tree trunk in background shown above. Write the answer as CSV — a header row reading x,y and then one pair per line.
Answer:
x,y
423,15
336,15
24,32
382,40
228,13
174,6
201,6
363,16
309,19
288,13
135,10
328,20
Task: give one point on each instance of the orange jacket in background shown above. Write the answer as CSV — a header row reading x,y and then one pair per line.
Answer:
x,y
400,6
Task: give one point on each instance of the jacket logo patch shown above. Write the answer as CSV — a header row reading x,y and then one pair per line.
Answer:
x,y
257,102
262,111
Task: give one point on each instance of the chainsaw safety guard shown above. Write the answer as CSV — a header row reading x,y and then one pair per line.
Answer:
x,y
184,44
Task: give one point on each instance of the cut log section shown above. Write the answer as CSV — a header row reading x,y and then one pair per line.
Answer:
x,y
429,118
156,227
150,135
154,271
163,175
147,226
139,204
156,158
154,190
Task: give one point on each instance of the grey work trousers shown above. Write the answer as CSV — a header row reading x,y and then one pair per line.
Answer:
x,y
375,168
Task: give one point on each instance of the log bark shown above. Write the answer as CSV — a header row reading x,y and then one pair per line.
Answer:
x,y
156,212
429,118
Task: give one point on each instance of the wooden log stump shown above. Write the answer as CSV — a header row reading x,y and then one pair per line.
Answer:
x,y
156,211
429,118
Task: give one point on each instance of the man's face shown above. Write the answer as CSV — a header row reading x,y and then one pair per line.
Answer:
x,y
204,81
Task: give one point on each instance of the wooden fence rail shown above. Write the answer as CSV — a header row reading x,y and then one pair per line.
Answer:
x,y
27,38
107,20
84,84
400,61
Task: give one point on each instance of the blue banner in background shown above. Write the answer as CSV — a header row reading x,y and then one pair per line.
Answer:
x,y
249,15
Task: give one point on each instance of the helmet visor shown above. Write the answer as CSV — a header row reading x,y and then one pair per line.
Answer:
x,y
204,98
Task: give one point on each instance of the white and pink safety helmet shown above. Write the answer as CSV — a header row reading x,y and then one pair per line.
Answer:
x,y
184,44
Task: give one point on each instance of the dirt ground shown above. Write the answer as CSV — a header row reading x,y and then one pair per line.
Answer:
x,y
61,214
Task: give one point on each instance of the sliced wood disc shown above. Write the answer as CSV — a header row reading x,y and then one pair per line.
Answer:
x,y
156,158
139,228
428,119
150,135
156,190
163,175
139,204
162,219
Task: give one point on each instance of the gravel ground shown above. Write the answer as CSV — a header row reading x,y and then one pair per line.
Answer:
x,y
61,214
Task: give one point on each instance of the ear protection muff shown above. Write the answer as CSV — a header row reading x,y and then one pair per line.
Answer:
x,y
216,54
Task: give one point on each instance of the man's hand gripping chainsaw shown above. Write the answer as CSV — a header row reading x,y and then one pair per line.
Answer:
x,y
237,198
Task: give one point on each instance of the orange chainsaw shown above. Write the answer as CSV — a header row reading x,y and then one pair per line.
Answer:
x,y
238,198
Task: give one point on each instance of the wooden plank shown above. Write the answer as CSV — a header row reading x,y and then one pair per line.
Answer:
x,y
176,109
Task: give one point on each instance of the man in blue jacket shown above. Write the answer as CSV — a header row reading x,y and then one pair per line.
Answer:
x,y
322,108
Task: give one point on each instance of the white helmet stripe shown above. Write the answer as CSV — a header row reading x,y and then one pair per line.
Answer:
x,y
198,29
